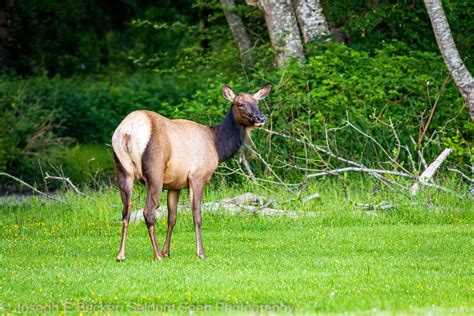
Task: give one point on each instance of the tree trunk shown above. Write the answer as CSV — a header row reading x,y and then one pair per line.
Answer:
x,y
283,29
239,32
311,20
447,47
6,10
203,26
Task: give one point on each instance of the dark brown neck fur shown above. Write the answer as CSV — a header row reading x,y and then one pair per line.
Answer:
x,y
229,136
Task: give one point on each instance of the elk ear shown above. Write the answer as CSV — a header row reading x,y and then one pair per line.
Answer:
x,y
262,93
228,93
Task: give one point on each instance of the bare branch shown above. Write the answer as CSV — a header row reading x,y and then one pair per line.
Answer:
x,y
379,171
428,174
310,197
244,161
28,186
327,152
67,180
382,205
378,145
461,174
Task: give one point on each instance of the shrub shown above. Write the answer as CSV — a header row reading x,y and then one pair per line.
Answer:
x,y
27,138
89,164
336,84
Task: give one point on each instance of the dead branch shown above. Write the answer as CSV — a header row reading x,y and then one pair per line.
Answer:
x,y
425,127
461,174
420,154
379,171
246,198
310,197
325,151
359,167
428,174
286,185
67,180
382,205
246,164
378,145
28,186
241,204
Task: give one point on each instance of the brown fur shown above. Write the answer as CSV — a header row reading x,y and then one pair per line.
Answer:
x,y
177,154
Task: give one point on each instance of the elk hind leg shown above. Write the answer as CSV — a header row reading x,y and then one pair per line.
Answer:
x,y
125,182
154,187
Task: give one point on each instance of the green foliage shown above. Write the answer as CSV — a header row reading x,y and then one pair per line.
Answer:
x,y
27,137
73,37
77,37
89,164
339,83
369,26
336,84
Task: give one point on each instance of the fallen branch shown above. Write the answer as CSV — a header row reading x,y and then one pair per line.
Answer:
x,y
327,152
379,171
461,174
28,186
382,205
240,205
429,172
310,197
67,180
247,167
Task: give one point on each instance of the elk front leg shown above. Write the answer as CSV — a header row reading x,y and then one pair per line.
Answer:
x,y
196,190
173,198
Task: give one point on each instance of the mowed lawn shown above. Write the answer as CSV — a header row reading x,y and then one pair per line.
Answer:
x,y
62,257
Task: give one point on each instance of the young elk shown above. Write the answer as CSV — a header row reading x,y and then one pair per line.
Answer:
x,y
178,154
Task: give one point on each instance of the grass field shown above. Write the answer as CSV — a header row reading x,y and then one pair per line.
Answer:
x,y
414,259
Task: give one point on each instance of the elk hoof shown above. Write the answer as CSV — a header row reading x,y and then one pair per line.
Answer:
x,y
120,258
201,256
165,254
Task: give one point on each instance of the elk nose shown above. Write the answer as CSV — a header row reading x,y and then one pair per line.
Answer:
x,y
260,118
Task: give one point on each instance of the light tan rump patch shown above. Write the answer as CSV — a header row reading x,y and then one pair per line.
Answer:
x,y
130,140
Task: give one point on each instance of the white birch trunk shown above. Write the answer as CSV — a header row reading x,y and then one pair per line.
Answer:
x,y
447,47
238,30
283,29
311,20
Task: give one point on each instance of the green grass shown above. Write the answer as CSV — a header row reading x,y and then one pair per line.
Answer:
x,y
62,256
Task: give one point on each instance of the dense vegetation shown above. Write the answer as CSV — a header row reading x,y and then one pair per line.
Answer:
x,y
65,85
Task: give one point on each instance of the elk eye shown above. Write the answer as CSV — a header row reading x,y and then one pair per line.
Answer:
x,y
240,105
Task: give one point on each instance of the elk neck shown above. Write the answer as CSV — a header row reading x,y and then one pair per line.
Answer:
x,y
229,136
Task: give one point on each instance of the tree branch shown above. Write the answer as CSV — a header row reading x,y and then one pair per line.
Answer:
x,y
67,180
427,175
28,186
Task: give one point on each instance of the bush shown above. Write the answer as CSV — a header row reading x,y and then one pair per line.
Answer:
x,y
90,164
27,138
339,83
336,84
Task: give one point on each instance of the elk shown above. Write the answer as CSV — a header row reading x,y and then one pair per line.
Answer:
x,y
178,154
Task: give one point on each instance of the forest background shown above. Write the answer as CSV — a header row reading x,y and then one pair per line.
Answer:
x,y
71,70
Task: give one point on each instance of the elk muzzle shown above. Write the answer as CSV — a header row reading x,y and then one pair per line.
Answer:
x,y
258,120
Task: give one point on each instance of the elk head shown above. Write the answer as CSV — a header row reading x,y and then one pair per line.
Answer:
x,y
245,106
